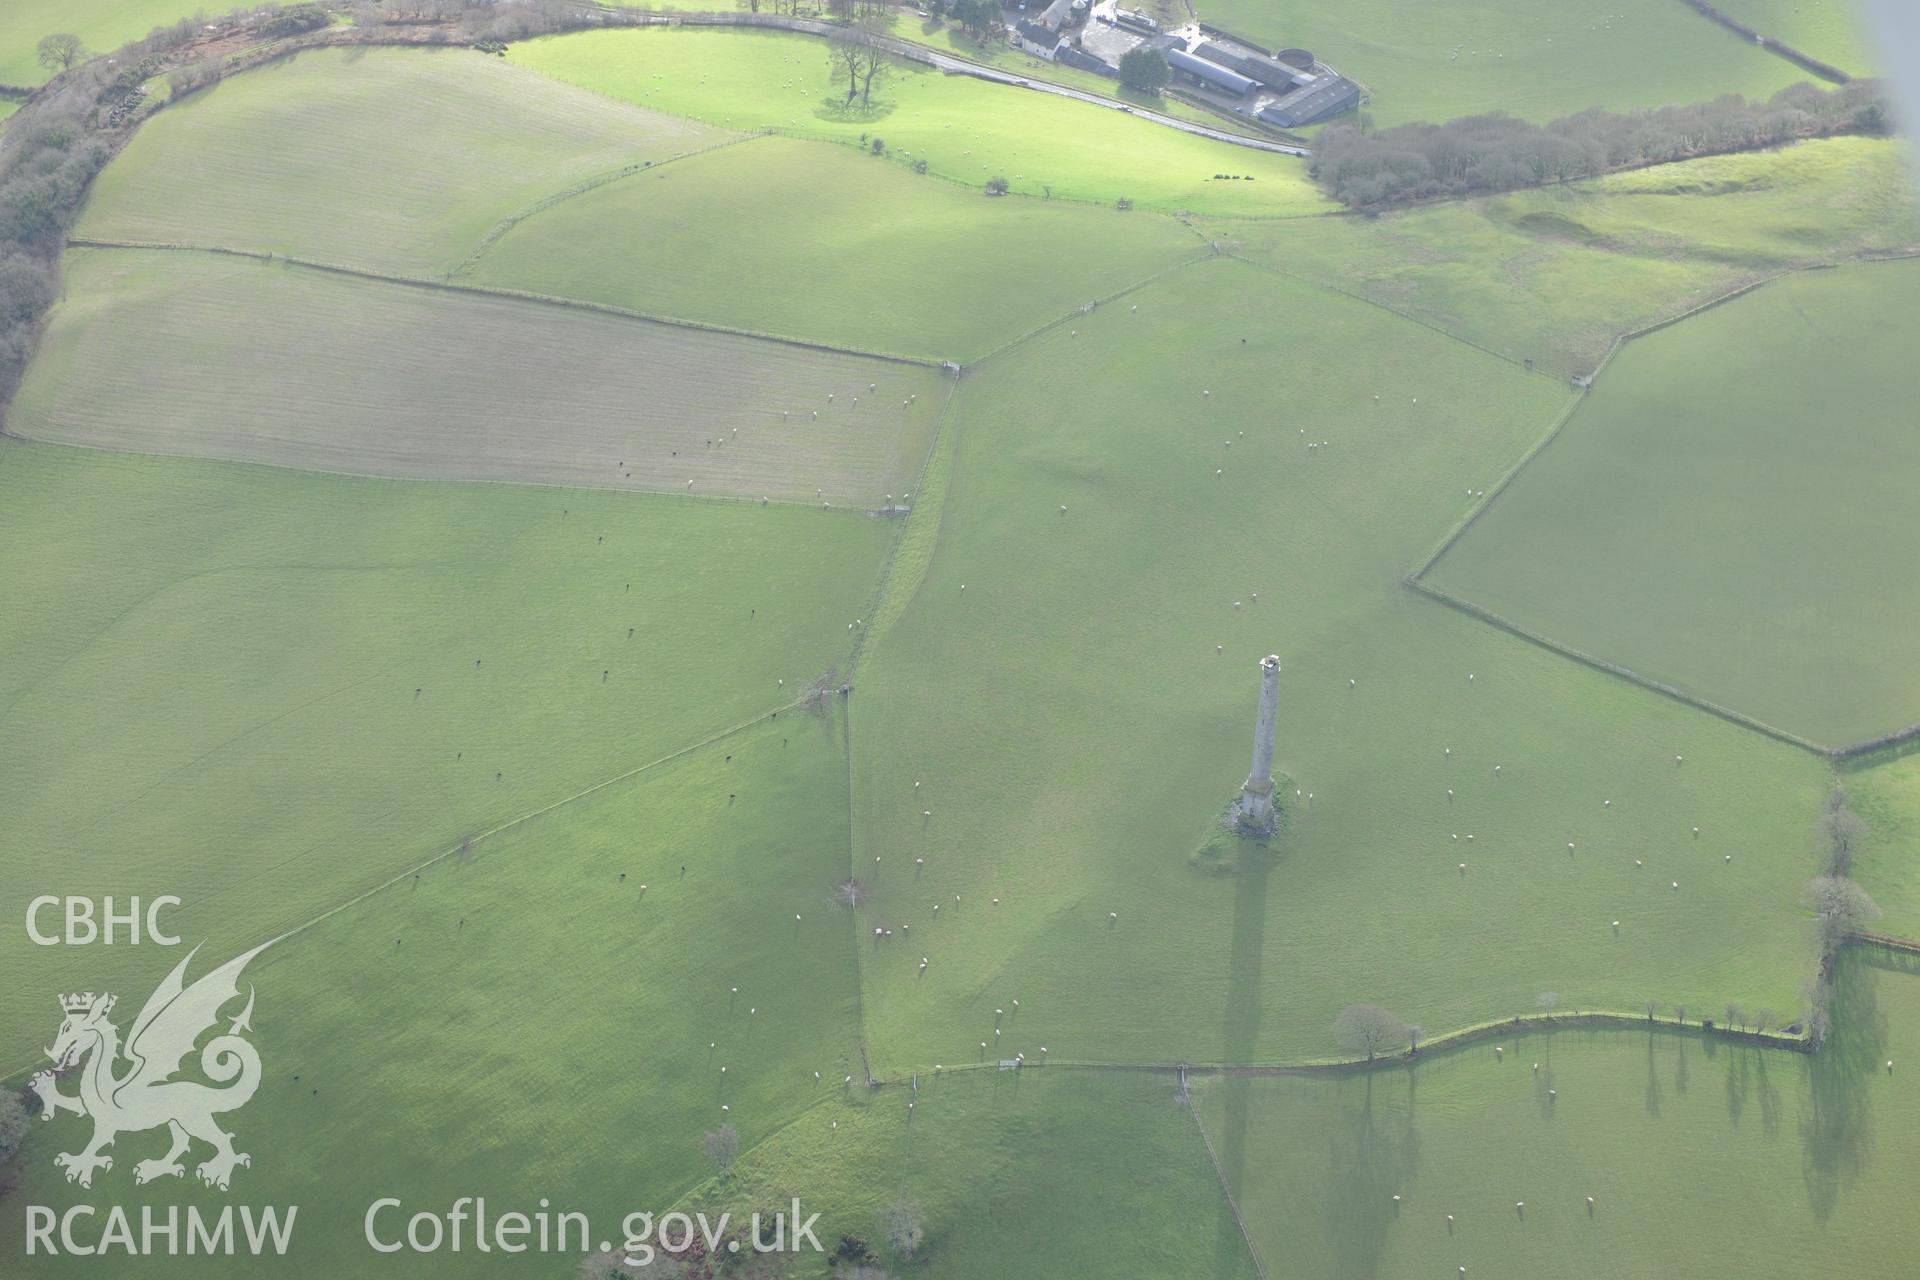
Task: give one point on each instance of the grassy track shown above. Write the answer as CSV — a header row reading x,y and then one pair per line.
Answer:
x,y
1555,275
1702,1157
524,1023
1770,439
943,273
1077,1175
1537,59
1074,732
301,767
965,129
394,159
370,377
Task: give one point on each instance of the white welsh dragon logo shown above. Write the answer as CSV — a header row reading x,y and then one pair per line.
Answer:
x,y
145,1095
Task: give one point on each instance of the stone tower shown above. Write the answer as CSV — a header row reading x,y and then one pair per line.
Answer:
x,y
1256,798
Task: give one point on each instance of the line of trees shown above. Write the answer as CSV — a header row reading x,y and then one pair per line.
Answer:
x,y
1364,167
1840,907
48,155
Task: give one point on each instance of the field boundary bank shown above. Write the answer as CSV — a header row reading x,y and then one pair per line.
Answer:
x,y
500,229
874,629
1094,304
448,285
1388,307
1464,1037
1417,578
1780,49
1613,348
503,827
1548,643
876,602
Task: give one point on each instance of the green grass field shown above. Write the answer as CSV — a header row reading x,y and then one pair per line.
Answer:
x,y
1765,438
580,708
1886,795
1701,1156
1537,59
1556,275
891,261
1074,1175
301,768
524,1023
1074,733
102,24
393,159
1834,31
372,377
965,129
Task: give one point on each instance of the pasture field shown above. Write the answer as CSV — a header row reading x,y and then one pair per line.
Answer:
x,y
1556,275
1886,795
1074,733
302,767
102,24
210,355
523,1023
396,160
944,274
1078,1175
1766,438
966,130
1536,59
1700,1155
366,604
1834,31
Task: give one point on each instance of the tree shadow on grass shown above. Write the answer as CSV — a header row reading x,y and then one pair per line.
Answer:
x,y
840,111
1836,1127
1373,1160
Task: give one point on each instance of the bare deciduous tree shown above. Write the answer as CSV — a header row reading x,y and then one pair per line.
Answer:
x,y
875,65
846,54
1841,907
1841,834
856,55
1367,1028
1762,1019
60,51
